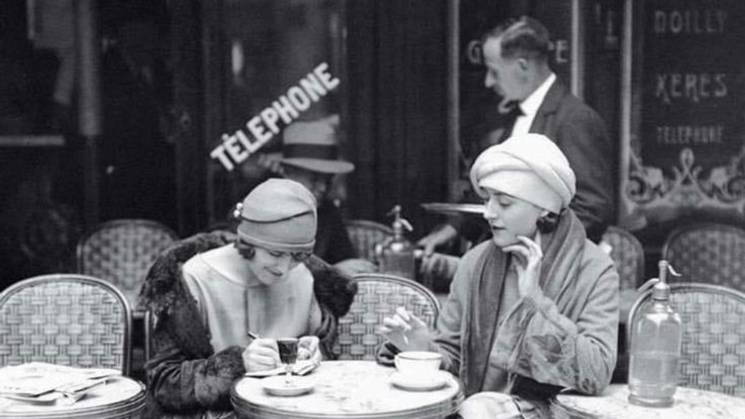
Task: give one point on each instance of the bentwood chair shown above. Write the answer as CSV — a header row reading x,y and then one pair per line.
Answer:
x,y
65,319
378,296
365,234
628,256
122,251
713,319
708,252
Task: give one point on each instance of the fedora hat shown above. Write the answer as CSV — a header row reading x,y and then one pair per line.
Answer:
x,y
313,146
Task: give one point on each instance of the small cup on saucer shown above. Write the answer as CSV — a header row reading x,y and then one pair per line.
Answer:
x,y
418,371
418,363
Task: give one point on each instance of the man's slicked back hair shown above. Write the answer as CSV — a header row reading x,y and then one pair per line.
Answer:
x,y
523,37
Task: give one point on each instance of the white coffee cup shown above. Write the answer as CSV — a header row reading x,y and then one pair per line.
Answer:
x,y
418,363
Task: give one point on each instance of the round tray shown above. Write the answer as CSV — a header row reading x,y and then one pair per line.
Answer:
x,y
448,208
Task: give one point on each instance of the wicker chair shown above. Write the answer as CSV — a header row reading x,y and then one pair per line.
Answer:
x,y
628,256
121,251
65,319
713,352
378,296
365,234
709,253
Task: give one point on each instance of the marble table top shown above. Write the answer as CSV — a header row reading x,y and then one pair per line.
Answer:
x,y
348,389
613,404
120,397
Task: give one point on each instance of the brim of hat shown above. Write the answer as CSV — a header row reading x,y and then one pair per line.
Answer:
x,y
320,165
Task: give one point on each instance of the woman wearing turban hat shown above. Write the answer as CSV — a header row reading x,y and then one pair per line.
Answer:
x,y
533,310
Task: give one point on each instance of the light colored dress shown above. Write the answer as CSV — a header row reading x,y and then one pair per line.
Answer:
x,y
232,306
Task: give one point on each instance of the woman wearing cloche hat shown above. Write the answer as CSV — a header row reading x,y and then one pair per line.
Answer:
x,y
248,294
533,310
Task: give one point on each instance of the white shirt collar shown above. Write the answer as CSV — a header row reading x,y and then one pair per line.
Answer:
x,y
530,105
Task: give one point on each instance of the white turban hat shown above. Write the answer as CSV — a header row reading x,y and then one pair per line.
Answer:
x,y
530,167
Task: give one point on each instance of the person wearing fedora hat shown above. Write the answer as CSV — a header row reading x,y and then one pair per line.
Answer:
x,y
310,156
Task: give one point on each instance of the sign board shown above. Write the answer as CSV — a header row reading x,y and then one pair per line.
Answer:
x,y
686,154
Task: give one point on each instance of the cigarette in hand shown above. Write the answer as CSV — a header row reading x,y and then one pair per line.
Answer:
x,y
401,311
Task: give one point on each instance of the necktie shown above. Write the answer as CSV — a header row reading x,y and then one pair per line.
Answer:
x,y
509,119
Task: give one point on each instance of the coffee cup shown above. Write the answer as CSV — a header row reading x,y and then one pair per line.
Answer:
x,y
418,363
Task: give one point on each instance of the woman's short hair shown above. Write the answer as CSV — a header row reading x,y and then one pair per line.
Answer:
x,y
248,251
547,223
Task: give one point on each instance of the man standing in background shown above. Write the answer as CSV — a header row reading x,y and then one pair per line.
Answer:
x,y
516,55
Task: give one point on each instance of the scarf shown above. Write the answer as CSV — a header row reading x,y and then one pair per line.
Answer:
x,y
562,251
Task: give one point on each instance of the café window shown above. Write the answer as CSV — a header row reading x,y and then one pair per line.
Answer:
x,y
37,67
276,63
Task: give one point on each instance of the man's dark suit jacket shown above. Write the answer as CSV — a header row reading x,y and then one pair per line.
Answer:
x,y
581,135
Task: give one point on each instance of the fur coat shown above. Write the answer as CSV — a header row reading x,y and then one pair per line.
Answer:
x,y
184,375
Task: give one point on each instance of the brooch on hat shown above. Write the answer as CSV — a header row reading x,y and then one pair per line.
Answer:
x,y
238,210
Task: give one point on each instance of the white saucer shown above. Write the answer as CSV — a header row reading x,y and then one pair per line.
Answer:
x,y
279,386
47,398
417,383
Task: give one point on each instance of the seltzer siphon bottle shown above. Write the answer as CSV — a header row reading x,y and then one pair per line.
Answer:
x,y
656,337
396,254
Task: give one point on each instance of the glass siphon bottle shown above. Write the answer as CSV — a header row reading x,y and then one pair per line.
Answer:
x,y
396,254
656,337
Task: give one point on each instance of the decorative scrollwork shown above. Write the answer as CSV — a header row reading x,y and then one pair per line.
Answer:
x,y
690,186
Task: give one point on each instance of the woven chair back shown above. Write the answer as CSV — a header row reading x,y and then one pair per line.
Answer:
x,y
713,352
65,319
365,234
628,256
122,251
377,297
709,253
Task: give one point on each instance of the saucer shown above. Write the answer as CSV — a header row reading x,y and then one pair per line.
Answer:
x,y
278,385
47,398
419,383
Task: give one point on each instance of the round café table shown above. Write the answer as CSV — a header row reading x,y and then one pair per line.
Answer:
x,y
690,403
119,398
348,389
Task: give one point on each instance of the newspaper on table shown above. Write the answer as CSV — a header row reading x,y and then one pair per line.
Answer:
x,y
35,379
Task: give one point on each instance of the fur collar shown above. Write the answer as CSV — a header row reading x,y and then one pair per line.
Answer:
x,y
163,294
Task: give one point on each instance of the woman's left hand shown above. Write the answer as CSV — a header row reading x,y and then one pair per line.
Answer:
x,y
307,348
528,257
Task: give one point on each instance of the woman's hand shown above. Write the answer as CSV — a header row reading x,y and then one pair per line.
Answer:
x,y
528,258
307,348
406,331
261,354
